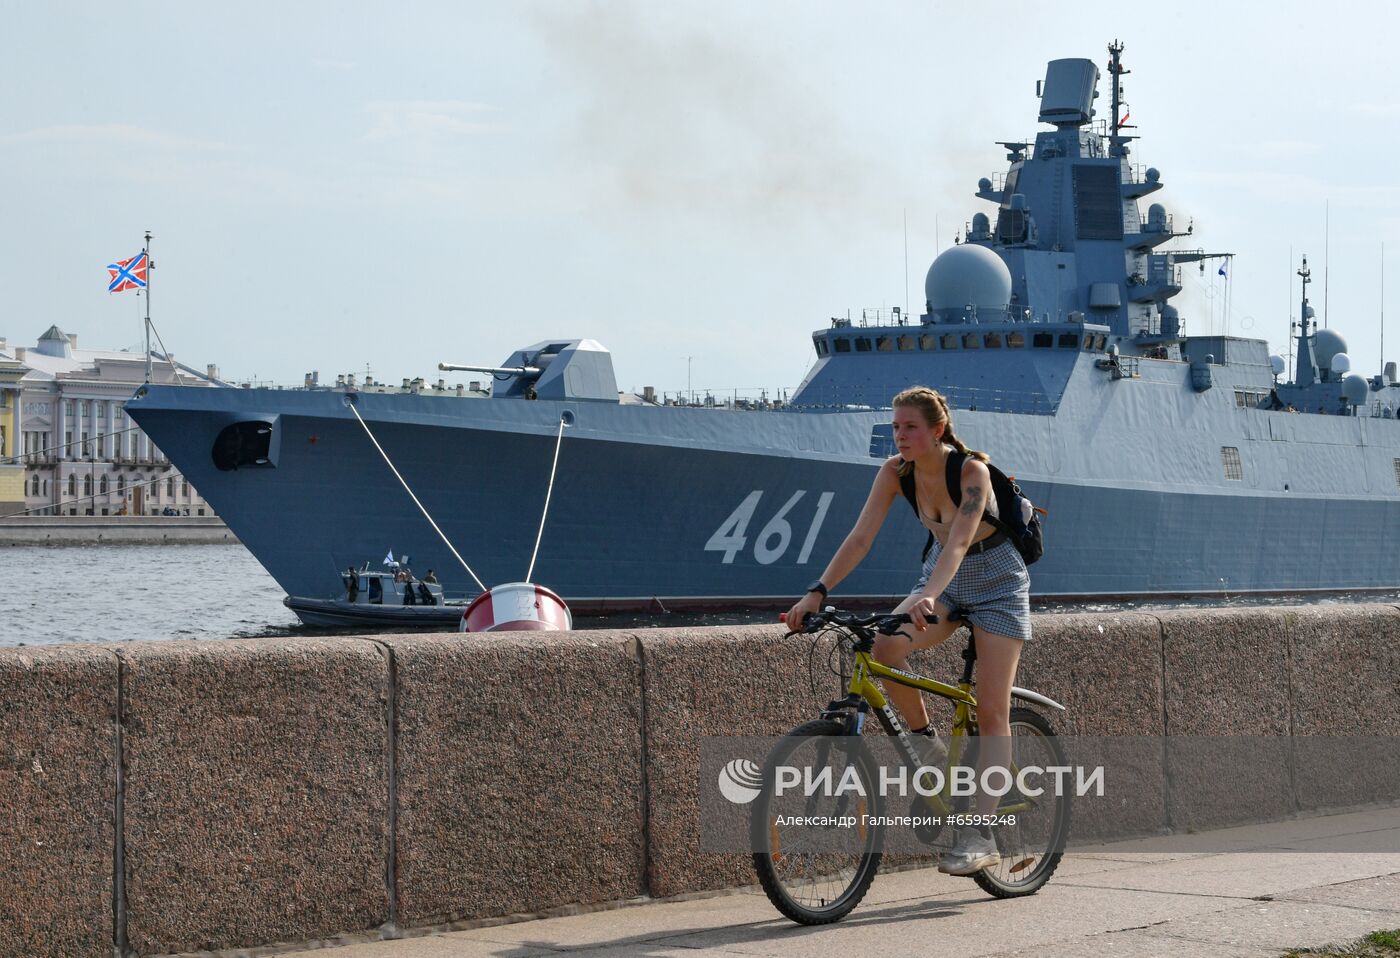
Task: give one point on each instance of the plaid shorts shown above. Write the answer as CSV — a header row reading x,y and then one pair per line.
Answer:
x,y
992,588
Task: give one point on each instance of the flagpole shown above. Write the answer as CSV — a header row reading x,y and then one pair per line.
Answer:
x,y
146,250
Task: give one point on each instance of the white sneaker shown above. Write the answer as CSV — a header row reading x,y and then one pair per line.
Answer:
x,y
971,853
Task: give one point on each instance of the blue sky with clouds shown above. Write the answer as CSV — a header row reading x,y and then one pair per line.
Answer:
x,y
332,186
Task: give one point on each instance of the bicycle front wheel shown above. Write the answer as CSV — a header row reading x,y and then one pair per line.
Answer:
x,y
1030,849
815,851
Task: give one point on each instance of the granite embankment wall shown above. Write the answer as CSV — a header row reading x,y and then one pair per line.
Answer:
x,y
128,530
178,797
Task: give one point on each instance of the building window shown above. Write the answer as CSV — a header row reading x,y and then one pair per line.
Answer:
x,y
949,341
34,486
83,408
102,410
86,446
73,485
170,487
1042,341
68,407
121,484
185,488
928,342
1230,457
87,485
102,485
201,512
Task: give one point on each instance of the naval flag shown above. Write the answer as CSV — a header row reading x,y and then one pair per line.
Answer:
x,y
1222,271
389,558
128,273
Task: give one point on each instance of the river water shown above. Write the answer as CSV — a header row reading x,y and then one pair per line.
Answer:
x,y
126,593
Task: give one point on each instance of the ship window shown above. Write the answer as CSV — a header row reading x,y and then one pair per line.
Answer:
x,y
1099,341
1043,341
821,347
993,340
906,343
1230,457
1069,340
1088,343
971,341
1015,340
862,344
949,341
843,345
885,344
928,341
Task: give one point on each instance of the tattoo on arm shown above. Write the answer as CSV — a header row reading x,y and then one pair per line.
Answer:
x,y
972,501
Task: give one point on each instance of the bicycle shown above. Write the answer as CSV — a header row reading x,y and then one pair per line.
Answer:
x,y
817,886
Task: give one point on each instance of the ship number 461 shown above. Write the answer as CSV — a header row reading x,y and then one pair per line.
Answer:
x,y
774,538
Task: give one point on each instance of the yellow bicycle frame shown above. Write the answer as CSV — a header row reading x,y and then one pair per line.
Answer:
x,y
863,684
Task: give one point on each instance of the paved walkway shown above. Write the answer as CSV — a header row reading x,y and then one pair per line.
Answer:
x,y
1322,881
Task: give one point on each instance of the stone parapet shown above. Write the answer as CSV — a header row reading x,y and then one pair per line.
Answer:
x,y
176,797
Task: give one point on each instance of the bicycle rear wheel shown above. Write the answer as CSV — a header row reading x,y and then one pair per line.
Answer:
x,y
816,874
1031,848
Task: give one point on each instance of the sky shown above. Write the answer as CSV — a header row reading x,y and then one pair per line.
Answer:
x,y
697,186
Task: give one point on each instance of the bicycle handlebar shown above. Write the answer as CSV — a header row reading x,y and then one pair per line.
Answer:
x,y
885,623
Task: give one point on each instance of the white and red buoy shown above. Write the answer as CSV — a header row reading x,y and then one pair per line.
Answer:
x,y
515,607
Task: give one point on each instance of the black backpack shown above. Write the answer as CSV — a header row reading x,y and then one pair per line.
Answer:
x,y
1025,533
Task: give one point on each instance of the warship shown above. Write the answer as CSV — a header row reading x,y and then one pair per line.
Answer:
x,y
1169,464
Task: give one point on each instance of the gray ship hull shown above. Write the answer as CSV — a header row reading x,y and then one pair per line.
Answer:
x,y
695,508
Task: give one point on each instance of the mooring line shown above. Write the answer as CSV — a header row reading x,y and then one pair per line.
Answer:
x,y
549,491
351,403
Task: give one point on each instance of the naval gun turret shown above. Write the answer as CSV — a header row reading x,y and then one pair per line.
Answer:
x,y
569,369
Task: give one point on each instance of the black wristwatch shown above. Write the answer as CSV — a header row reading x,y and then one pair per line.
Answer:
x,y
817,586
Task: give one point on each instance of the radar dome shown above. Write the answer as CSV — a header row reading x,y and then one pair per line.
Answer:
x,y
1278,365
1341,363
1153,175
984,185
1326,344
967,275
1355,388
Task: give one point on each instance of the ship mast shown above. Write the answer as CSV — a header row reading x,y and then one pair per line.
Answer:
x,y
1117,142
1304,375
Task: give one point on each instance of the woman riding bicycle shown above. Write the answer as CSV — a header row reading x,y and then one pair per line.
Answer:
x,y
971,566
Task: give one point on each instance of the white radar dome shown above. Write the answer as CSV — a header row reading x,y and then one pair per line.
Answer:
x,y
1355,387
967,275
1278,365
1326,344
1341,363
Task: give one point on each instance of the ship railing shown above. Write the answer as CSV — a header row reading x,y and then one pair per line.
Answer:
x,y
969,398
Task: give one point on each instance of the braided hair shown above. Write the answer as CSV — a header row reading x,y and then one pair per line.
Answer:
x,y
931,403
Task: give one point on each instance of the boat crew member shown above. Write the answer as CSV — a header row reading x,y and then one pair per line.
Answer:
x,y
430,578
352,584
971,565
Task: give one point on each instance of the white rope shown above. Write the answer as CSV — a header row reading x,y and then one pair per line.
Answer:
x,y
558,441
351,404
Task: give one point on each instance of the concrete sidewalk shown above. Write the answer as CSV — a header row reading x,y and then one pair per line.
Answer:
x,y
1291,884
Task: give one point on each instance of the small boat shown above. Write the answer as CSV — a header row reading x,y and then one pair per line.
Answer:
x,y
394,597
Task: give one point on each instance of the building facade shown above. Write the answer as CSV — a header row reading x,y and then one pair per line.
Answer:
x,y
67,425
